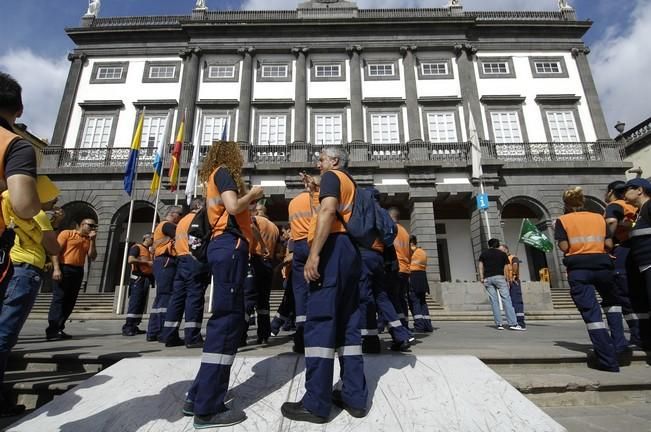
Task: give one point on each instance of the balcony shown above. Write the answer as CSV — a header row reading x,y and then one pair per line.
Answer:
x,y
360,152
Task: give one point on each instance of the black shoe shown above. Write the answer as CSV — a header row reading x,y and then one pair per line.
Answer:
x,y
226,418
338,400
138,331
197,344
65,335
174,342
128,333
594,363
400,346
53,336
152,338
371,345
262,340
11,410
188,408
297,412
625,357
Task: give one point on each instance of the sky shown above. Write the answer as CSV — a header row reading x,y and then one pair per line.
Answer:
x,y
35,45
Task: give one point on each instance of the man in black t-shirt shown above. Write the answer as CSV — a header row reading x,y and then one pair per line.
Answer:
x,y
18,163
493,267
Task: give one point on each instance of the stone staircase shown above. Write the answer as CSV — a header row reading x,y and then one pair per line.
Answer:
x,y
89,306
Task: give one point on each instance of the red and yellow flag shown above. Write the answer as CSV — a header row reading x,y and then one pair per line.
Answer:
x,y
175,163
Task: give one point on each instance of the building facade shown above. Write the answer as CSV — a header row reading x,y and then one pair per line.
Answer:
x,y
396,87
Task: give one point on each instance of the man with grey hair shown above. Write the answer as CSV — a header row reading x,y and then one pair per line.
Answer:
x,y
164,270
333,269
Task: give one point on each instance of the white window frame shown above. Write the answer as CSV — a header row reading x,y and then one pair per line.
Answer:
x,y
507,135
154,126
328,128
441,131
221,69
434,69
563,127
498,64
327,70
545,67
389,119
155,72
275,71
272,129
380,69
106,69
212,127
92,123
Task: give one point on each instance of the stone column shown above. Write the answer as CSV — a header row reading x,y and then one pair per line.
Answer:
x,y
110,250
413,113
77,61
246,93
357,113
189,88
300,99
591,95
469,92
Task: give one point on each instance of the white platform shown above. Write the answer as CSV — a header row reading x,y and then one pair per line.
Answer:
x,y
409,393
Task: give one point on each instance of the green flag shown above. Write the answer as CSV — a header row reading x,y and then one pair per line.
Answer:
x,y
531,235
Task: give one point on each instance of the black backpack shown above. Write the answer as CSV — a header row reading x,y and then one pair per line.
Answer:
x,y
199,234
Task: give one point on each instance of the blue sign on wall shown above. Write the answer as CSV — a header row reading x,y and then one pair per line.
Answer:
x,y
482,201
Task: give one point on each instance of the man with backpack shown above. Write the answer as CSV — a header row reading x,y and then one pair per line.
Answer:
x,y
190,282
332,321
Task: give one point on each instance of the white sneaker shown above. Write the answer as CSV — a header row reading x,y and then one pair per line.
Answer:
x,y
517,328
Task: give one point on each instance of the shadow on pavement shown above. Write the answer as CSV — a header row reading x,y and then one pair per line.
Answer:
x,y
572,346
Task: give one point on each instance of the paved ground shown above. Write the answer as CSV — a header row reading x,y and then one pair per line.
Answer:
x,y
544,346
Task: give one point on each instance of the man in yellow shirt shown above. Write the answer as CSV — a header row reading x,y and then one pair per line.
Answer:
x,y
35,238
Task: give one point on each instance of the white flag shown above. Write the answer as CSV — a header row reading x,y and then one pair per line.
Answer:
x,y
192,174
475,147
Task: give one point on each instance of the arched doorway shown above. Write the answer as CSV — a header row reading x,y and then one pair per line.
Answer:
x,y
75,212
143,217
594,205
533,260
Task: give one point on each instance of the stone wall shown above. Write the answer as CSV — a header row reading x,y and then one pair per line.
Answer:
x,y
472,296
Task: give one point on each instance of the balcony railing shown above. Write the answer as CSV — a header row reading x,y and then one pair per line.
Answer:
x,y
307,153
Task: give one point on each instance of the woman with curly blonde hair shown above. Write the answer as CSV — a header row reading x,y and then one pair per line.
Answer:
x,y
584,239
227,205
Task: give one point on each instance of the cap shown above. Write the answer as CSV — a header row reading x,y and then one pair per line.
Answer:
x,y
617,185
46,189
639,183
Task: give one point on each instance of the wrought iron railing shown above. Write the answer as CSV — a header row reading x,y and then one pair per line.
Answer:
x,y
307,153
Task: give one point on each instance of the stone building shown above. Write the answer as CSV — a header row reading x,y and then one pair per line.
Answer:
x,y
396,87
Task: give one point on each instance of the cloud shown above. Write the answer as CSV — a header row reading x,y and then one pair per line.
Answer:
x,y
380,4
621,66
42,80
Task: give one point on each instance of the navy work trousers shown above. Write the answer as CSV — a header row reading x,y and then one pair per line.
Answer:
x,y
418,301
623,293
263,271
515,290
138,292
333,325
164,271
228,259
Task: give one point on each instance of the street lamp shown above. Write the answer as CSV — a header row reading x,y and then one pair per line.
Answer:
x,y
620,126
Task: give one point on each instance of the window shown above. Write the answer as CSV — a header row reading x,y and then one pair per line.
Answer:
x,y
384,128
221,72
562,126
97,131
328,129
275,71
380,70
495,68
213,128
327,71
162,72
442,127
506,127
272,130
543,67
109,73
434,69
153,130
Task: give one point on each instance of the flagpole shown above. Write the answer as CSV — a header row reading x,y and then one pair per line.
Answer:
x,y
485,211
160,182
119,309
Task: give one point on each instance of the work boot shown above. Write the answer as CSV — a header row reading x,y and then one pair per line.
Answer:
x,y
226,418
400,346
297,412
338,400
188,408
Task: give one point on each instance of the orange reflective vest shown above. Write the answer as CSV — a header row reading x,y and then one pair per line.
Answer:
x,y
300,215
141,268
269,233
181,244
163,245
220,219
403,250
418,260
345,207
586,233
630,215
7,138
512,274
